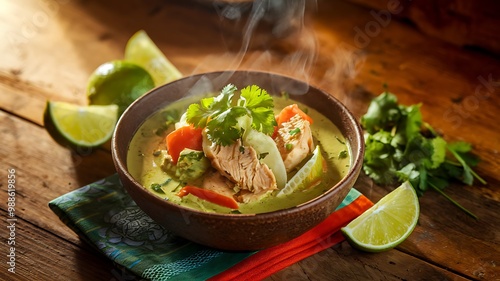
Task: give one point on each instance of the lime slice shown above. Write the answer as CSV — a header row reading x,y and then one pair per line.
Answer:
x,y
142,50
309,175
118,82
80,126
387,223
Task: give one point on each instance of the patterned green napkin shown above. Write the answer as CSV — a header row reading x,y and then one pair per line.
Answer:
x,y
106,217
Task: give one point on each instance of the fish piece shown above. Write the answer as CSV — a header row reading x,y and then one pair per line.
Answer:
x,y
294,141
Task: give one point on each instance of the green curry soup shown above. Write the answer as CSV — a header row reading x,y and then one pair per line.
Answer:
x,y
144,161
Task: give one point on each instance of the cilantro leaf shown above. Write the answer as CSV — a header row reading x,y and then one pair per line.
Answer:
x,y
220,114
261,105
198,114
409,173
224,99
460,146
439,152
383,113
378,163
254,97
412,120
263,120
222,129
468,174
397,149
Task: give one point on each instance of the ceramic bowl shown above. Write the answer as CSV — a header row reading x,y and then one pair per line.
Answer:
x,y
237,231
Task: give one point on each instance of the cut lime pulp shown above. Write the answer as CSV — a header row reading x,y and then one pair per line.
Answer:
x,y
142,51
387,223
80,126
308,175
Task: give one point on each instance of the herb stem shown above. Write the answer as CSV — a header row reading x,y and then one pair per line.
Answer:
x,y
429,127
466,167
479,178
453,201
454,163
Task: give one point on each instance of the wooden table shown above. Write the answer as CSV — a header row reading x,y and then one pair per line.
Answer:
x,y
49,48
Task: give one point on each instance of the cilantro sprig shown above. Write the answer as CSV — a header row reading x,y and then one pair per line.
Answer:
x,y
220,115
400,146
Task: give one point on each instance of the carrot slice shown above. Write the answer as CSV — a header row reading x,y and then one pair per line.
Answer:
x,y
209,195
182,138
289,111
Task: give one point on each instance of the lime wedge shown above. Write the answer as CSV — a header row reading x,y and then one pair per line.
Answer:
x,y
387,223
143,51
309,175
118,82
80,126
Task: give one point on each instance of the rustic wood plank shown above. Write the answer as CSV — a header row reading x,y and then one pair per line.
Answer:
x,y
41,255
391,265
463,23
38,52
22,99
45,171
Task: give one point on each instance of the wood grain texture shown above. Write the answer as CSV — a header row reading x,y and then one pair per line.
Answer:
x,y
53,46
459,22
41,255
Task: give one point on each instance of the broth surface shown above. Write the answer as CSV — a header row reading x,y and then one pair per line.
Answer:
x,y
145,167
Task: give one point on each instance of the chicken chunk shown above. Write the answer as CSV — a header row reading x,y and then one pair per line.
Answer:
x,y
241,165
294,141
215,181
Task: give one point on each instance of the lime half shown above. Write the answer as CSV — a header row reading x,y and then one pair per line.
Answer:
x,y
387,223
80,126
118,82
143,51
309,175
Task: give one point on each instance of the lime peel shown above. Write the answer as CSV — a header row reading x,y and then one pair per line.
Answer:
x,y
140,49
80,126
308,175
118,82
387,223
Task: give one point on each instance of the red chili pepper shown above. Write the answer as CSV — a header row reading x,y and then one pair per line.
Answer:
x,y
209,195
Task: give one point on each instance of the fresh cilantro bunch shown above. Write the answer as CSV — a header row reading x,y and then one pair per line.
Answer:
x,y
222,115
399,146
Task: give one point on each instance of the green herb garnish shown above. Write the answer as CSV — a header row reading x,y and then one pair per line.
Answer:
x,y
263,155
400,147
157,188
343,154
220,114
294,131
